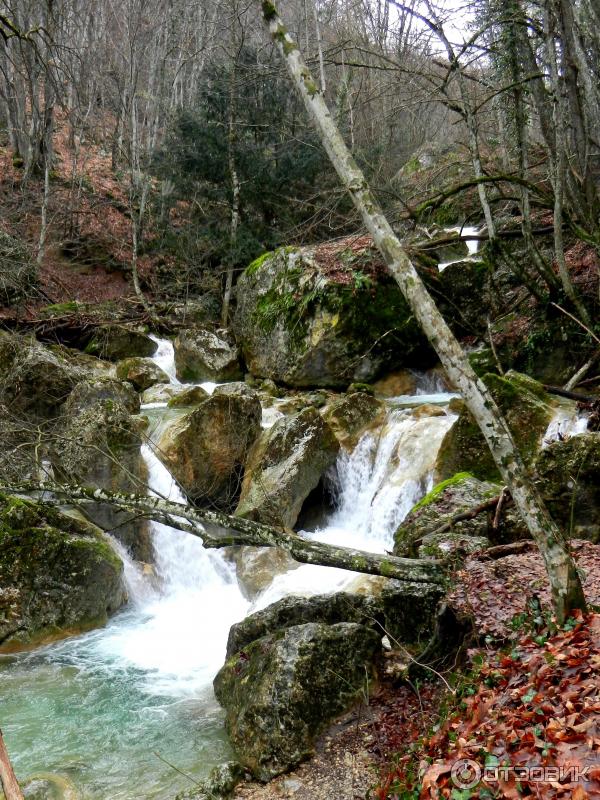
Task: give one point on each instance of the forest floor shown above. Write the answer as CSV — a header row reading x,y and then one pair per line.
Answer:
x,y
526,694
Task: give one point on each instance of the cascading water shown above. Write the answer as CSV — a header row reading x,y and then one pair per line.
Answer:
x,y
472,245
100,706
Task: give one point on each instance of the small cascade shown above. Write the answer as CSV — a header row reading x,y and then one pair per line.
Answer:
x,y
472,245
165,357
375,487
567,422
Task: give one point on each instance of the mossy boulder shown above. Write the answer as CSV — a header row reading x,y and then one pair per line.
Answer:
x,y
34,380
207,448
142,373
405,610
350,416
417,535
282,690
324,316
285,465
57,574
528,411
189,396
18,457
117,342
100,445
568,475
201,355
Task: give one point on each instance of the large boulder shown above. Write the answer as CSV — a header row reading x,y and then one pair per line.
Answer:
x,y
256,567
285,465
57,574
324,316
528,411
201,355
142,373
568,475
282,690
100,445
404,610
419,534
18,457
206,449
117,342
34,380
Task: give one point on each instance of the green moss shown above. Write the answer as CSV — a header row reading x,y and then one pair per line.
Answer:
x,y
441,487
269,10
253,268
58,309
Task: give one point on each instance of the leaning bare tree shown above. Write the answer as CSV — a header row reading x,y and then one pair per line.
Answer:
x,y
567,591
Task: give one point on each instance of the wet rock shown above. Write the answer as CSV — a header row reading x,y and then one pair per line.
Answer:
x,y
257,566
207,448
57,573
282,690
220,783
100,445
304,324
161,393
49,786
406,611
568,475
201,355
418,534
528,411
190,396
142,373
351,415
284,466
34,381
118,342
428,410
402,382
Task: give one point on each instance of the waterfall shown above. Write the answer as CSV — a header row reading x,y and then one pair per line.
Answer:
x,y
472,245
99,705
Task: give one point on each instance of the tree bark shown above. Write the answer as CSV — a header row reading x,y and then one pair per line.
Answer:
x,y
7,775
218,530
566,586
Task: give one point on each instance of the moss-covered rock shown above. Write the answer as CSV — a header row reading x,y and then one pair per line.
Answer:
x,y
350,416
57,574
189,396
34,380
284,466
142,373
206,449
417,537
18,457
528,411
282,690
464,295
325,316
568,475
100,445
117,342
201,355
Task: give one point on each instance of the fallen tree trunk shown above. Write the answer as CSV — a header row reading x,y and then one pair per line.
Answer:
x,y
218,530
7,776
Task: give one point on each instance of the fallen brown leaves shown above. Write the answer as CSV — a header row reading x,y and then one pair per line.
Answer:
x,y
492,593
536,707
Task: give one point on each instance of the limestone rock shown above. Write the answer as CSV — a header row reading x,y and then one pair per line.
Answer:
x,y
206,449
285,465
34,381
257,566
142,373
416,535
528,411
100,445
201,355
56,573
568,475
322,317
190,396
284,688
118,342
351,415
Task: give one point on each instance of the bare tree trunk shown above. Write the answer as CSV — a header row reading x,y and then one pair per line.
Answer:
x,y
565,583
218,530
7,775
